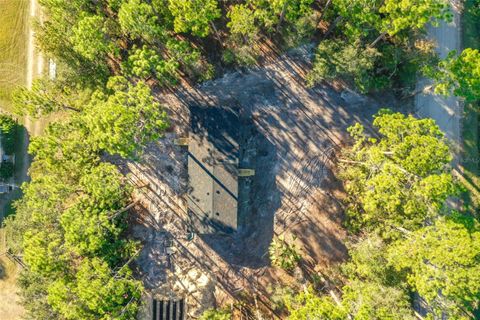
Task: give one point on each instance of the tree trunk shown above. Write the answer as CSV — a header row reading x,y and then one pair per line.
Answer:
x,y
333,25
414,93
380,37
67,107
216,33
117,213
324,10
282,15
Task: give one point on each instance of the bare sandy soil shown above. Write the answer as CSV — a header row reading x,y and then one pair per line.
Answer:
x,y
10,307
293,139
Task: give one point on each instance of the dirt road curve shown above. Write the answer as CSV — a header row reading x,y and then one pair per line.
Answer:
x,y
447,111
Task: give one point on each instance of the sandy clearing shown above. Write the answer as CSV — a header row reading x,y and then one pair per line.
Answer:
x,y
287,137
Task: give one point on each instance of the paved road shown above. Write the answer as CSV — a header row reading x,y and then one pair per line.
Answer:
x,y
447,111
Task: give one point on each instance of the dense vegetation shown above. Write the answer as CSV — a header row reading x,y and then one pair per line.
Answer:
x,y
8,127
8,132
407,239
114,56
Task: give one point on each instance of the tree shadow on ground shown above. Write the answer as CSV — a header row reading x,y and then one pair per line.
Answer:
x,y
3,273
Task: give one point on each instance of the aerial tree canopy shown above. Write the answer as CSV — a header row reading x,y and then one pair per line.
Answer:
x,y
89,39
458,74
338,59
147,63
362,17
194,16
123,121
242,22
137,19
272,13
400,179
368,262
412,14
361,300
365,300
307,305
46,97
95,293
443,264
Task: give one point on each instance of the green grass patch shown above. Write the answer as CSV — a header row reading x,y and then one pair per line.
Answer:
x,y
470,122
13,48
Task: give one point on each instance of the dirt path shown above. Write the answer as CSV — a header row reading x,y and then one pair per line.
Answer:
x,y
35,65
447,111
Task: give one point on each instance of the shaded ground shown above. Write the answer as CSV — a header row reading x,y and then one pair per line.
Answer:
x,y
296,132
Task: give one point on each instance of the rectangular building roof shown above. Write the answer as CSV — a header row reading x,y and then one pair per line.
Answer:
x,y
212,167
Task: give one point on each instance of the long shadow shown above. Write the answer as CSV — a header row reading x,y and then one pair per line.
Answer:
x,y
212,175
230,139
20,174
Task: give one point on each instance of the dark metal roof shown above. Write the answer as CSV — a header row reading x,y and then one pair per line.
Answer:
x,y
212,167
168,309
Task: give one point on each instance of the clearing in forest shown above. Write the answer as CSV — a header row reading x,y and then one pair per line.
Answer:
x,y
289,135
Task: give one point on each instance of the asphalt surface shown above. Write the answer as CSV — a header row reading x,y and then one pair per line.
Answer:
x,y
447,111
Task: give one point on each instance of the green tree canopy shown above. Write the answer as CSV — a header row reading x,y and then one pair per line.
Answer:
x,y
122,122
95,293
338,59
137,19
307,305
364,17
368,262
359,16
273,12
242,23
371,300
400,179
194,16
216,314
89,39
443,264
46,97
412,14
459,74
146,63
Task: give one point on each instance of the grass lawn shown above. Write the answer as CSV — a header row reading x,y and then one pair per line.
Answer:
x,y
13,47
470,123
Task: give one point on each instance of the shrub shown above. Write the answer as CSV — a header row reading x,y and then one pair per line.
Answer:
x,y
8,127
284,255
6,170
216,314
